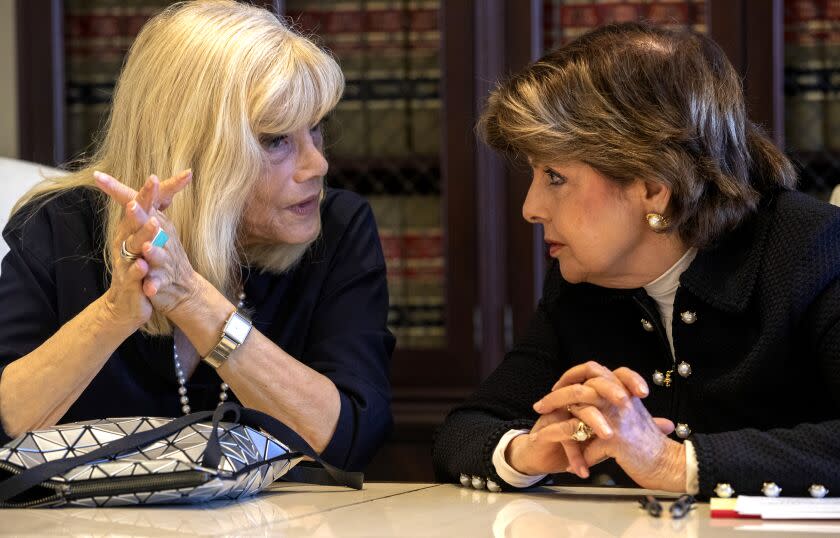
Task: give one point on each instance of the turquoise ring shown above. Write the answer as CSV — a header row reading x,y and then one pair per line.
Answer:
x,y
160,239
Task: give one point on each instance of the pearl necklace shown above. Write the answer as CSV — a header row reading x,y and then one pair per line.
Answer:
x,y
182,381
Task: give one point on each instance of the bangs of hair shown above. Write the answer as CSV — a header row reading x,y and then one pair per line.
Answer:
x,y
303,85
522,124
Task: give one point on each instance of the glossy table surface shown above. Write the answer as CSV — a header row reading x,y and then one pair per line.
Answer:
x,y
399,509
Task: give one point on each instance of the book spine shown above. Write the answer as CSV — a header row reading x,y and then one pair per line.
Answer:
x,y
565,20
385,76
832,75
673,15
804,76
97,36
423,271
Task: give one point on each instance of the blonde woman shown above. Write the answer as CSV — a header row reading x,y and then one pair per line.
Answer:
x,y
688,337
275,282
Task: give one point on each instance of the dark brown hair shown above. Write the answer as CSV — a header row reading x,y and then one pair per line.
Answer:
x,y
638,102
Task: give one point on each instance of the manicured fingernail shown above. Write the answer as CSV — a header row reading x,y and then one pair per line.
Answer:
x,y
538,407
583,473
132,205
154,222
147,247
608,431
100,176
186,172
643,390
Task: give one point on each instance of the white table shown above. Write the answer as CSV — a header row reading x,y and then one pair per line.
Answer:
x,y
404,510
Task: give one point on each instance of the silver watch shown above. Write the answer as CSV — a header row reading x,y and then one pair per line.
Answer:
x,y
235,332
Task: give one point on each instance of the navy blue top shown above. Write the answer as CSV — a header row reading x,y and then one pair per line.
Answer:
x,y
329,312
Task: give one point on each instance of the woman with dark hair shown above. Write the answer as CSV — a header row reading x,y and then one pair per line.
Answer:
x,y
681,256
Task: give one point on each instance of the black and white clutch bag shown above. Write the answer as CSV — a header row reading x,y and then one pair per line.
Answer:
x,y
139,460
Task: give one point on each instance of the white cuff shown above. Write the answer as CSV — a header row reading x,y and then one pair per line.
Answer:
x,y
692,481
504,469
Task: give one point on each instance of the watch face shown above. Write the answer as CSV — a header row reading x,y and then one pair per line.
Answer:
x,y
238,327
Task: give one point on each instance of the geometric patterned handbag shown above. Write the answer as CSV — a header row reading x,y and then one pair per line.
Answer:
x,y
140,460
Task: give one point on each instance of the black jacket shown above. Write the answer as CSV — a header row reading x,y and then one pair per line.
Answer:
x,y
763,398
329,312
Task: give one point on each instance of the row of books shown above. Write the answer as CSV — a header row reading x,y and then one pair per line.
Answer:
x,y
412,241
382,138
97,34
564,20
390,54
812,75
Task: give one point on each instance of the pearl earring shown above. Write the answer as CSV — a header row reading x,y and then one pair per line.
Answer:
x,y
657,222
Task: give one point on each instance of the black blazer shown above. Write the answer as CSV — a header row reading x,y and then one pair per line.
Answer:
x,y
763,398
329,312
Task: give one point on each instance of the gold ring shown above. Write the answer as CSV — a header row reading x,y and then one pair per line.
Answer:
x,y
126,254
582,432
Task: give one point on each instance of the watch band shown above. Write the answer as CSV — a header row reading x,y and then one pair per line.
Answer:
x,y
237,328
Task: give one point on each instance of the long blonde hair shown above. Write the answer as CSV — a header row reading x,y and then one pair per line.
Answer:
x,y
203,83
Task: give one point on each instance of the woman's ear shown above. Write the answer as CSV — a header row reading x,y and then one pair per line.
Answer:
x,y
656,196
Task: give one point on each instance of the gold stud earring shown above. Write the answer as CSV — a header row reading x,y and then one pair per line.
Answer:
x,y
657,222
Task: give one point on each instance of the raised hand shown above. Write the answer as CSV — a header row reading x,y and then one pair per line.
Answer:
x,y
155,194
168,280
124,298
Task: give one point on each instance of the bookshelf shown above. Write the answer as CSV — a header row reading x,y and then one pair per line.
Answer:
x,y
383,141
812,92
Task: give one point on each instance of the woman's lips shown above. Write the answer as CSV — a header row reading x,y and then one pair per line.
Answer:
x,y
554,247
306,207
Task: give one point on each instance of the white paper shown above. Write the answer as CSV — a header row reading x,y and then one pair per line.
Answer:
x,y
788,507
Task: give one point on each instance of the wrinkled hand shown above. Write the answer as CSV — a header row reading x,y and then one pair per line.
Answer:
x,y
124,299
167,280
550,447
641,448
637,441
171,279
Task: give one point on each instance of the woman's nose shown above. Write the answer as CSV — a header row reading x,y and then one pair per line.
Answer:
x,y
311,161
532,210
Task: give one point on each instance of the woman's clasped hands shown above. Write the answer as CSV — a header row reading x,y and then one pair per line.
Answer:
x,y
615,423
146,276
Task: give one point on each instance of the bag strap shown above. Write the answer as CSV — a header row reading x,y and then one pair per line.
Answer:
x,y
328,475
28,478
